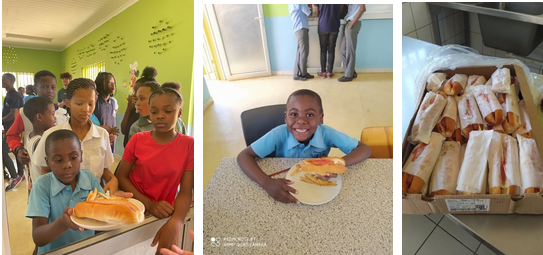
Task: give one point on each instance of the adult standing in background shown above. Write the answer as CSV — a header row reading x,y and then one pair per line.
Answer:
x,y
300,26
61,96
21,91
328,31
348,46
105,106
12,103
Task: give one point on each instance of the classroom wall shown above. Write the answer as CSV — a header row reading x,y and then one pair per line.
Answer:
x,y
206,92
32,61
374,46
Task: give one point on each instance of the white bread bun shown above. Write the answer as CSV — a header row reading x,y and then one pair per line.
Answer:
x,y
114,210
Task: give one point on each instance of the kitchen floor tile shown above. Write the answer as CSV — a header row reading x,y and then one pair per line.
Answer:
x,y
408,23
425,34
453,229
440,242
415,230
483,250
435,217
420,14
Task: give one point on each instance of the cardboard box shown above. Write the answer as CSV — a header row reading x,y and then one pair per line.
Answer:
x,y
480,204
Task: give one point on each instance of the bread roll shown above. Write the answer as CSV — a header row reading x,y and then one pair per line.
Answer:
x,y
455,85
503,165
475,80
501,80
427,117
531,167
434,81
490,107
419,165
115,210
509,102
445,174
457,134
447,123
468,113
323,165
472,177
525,129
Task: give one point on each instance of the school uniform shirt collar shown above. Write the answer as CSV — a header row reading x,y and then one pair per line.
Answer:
x,y
93,131
316,141
143,121
83,183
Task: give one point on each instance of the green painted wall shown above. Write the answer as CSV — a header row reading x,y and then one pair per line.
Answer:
x,y
32,61
275,10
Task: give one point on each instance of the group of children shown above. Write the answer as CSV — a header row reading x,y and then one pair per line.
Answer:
x,y
68,155
328,28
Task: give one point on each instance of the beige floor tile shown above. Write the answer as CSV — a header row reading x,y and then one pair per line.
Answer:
x,y
348,107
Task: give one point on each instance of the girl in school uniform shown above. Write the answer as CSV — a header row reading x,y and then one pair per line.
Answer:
x,y
106,105
97,156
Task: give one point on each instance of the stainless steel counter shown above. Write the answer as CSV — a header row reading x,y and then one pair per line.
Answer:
x,y
508,234
472,7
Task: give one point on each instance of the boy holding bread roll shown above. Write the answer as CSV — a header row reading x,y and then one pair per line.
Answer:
x,y
55,194
303,136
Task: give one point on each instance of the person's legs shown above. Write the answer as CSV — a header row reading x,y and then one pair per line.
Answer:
x,y
351,36
296,70
305,53
332,38
20,167
323,41
300,67
8,163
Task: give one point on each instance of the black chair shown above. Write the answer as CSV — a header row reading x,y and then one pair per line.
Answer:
x,y
258,121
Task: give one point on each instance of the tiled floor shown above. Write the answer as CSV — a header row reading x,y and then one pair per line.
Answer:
x,y
348,107
20,227
437,234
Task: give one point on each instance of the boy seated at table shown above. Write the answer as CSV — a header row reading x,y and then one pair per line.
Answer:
x,y
303,136
55,194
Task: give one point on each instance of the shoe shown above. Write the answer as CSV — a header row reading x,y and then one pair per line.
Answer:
x,y
321,74
299,78
344,79
355,75
14,183
329,75
24,178
309,76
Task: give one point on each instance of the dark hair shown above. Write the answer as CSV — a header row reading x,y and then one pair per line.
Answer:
x,y
149,74
10,76
34,106
66,75
309,93
42,73
170,91
79,83
61,134
31,87
101,80
152,85
172,85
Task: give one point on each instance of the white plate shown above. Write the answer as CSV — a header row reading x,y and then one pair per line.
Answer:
x,y
313,194
100,225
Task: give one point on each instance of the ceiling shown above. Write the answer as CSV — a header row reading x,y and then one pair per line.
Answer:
x,y
64,21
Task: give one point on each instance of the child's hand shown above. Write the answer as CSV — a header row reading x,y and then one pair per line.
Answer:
x,y
67,222
22,156
114,131
326,177
112,185
175,250
167,235
280,191
161,209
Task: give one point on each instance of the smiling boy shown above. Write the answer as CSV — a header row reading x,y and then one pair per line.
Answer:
x,y
303,136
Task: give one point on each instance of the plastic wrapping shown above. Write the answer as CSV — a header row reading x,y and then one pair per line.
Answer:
x,y
531,167
446,169
469,114
488,104
510,104
472,177
503,162
474,80
427,117
434,81
451,112
423,158
525,128
501,80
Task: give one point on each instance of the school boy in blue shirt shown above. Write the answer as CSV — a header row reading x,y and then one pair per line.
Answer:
x,y
303,136
55,194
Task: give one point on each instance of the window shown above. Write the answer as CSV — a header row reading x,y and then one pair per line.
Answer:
x,y
92,71
21,80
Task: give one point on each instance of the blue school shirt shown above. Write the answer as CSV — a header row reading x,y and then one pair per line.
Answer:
x,y
49,197
298,14
328,17
351,13
283,143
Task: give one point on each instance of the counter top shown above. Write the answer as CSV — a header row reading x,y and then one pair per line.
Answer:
x,y
472,7
240,218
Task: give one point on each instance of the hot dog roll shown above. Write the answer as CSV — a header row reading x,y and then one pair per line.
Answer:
x,y
428,115
490,107
525,129
457,134
472,177
323,165
434,81
445,174
419,165
114,210
531,167
455,85
509,102
474,80
468,113
501,80
447,123
503,165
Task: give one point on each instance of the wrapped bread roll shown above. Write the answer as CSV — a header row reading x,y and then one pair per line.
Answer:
x,y
457,134
472,177
509,102
525,129
428,115
445,174
490,107
455,85
531,167
503,165
419,165
434,81
501,80
468,114
474,80
447,123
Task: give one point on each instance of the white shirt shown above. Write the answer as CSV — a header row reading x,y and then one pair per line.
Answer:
x,y
61,115
352,11
96,149
35,170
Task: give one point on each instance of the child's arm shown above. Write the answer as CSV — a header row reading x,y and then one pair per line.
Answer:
x,y
160,209
276,188
13,138
357,155
169,233
44,233
112,184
